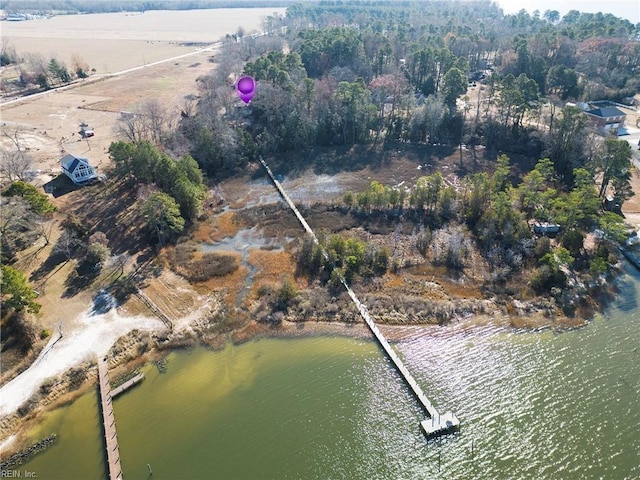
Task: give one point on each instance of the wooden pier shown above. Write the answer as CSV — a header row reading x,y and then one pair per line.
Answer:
x,y
126,385
437,424
154,308
109,422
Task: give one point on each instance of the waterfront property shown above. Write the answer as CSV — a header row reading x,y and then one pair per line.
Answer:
x,y
437,424
350,417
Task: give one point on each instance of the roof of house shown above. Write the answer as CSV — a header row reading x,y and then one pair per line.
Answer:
x,y
607,112
70,162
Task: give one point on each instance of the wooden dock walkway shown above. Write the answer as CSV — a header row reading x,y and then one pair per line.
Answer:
x,y
126,385
437,424
154,308
109,422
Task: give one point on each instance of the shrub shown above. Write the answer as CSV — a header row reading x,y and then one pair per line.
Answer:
x,y
348,199
286,294
543,246
573,240
450,248
97,253
210,265
38,201
546,278
597,266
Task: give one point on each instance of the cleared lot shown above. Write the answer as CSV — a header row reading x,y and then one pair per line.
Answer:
x,y
112,42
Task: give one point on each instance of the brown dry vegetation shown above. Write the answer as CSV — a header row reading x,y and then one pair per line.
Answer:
x,y
195,266
50,123
112,42
218,227
172,294
272,268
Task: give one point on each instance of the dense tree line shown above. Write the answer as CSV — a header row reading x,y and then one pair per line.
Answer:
x,y
369,72
179,184
361,74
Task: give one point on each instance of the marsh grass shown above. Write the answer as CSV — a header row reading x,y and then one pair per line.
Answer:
x,y
215,229
195,266
272,267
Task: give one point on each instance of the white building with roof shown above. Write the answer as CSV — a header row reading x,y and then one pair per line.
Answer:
x,y
78,169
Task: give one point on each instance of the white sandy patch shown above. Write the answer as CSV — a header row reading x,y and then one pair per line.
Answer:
x,y
95,336
7,442
185,323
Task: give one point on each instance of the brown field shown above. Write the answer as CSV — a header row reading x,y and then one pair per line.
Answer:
x,y
50,123
111,42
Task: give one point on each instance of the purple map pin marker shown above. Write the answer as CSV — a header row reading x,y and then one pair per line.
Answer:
x,y
246,87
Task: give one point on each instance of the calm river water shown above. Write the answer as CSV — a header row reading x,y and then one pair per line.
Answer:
x,y
537,405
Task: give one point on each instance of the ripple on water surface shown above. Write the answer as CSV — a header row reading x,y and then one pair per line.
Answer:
x,y
537,405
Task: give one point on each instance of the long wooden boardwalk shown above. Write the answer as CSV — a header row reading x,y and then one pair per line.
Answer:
x,y
109,422
437,424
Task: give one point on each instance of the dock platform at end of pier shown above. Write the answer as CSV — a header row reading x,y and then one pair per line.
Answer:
x,y
440,425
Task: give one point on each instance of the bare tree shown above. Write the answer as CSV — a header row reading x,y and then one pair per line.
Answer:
x,y
79,65
157,120
16,162
132,127
45,230
151,122
188,107
17,224
38,64
67,244
120,261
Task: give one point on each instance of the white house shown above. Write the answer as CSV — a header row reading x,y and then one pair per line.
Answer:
x,y
78,169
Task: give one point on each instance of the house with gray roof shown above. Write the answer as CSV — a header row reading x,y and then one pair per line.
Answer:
x,y
608,120
78,169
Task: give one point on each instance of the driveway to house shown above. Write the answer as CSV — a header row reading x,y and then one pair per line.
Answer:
x,y
632,135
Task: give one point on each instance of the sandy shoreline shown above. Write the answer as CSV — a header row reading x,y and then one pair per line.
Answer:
x,y
97,336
